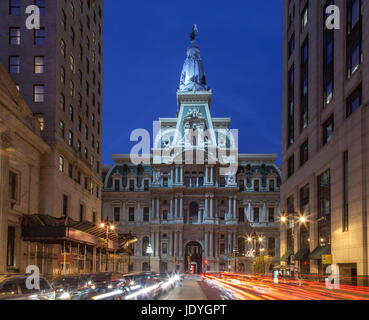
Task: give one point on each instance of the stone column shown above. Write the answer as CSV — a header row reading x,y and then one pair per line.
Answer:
x,y
171,207
94,258
206,175
171,176
171,244
230,249
265,213
176,177
180,244
139,214
123,213
181,207
212,175
211,240
206,236
235,208
157,209
181,170
175,206
211,207
152,209
230,207
206,207
175,243
157,246
249,212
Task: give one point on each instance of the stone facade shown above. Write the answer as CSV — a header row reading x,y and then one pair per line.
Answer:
x,y
182,200
334,174
21,151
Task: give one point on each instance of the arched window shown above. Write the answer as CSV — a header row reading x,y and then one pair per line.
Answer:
x,y
194,213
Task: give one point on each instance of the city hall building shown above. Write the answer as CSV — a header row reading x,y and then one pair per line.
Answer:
x,y
195,201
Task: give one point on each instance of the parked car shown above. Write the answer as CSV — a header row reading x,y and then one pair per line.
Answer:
x,y
108,286
76,287
13,287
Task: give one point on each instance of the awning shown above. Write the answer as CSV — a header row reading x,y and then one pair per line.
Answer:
x,y
48,229
302,255
286,256
318,252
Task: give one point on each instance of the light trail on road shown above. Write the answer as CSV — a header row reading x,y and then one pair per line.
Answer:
x,y
262,288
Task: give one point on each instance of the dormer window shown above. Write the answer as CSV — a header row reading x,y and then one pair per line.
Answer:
x,y
116,185
146,185
271,186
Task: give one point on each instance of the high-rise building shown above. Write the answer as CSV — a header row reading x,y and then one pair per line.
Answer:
x,y
324,194
58,70
183,203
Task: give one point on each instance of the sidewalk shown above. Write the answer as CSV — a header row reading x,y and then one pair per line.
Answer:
x,y
190,290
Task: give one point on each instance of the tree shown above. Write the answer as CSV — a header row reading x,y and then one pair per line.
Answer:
x,y
262,264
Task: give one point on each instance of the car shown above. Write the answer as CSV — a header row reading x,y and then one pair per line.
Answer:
x,y
76,287
14,287
108,286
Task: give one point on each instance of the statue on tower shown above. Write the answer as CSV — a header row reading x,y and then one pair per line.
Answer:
x,y
194,33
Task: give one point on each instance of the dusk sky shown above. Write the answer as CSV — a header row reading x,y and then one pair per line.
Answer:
x,y
145,46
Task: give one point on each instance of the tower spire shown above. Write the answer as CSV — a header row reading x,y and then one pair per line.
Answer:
x,y
193,74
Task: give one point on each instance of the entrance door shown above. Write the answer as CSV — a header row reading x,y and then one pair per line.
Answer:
x,y
193,257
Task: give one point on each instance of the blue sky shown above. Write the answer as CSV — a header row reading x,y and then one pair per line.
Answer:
x,y
145,46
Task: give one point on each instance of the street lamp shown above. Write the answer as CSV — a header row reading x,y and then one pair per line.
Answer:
x,y
255,238
108,226
149,251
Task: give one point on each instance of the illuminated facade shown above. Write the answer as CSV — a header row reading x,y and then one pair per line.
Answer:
x,y
186,202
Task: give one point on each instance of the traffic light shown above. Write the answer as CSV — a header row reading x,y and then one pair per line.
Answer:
x,y
206,261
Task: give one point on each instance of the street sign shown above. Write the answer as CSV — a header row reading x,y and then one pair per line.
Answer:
x,y
327,259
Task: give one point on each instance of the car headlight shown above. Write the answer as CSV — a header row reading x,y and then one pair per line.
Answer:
x,y
65,296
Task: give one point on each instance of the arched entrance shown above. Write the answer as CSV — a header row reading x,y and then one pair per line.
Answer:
x,y
193,257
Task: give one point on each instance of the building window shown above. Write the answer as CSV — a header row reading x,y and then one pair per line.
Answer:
x,y
71,88
241,215
41,120
72,64
305,17
64,20
14,7
70,138
354,36
65,206
62,75
39,65
256,185
62,48
39,37
116,185
11,247
324,194
61,164
94,217
13,186
14,36
305,200
14,65
291,106
328,60
38,93
71,113
81,212
291,166
79,146
165,215
72,35
345,221
304,116
146,215
145,244
116,214
131,215
354,101
328,128
62,129
304,153
131,185
271,215
256,215
146,185
41,5
271,185
164,248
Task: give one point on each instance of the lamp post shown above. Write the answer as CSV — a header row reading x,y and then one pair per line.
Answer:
x,y
149,251
235,251
108,227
